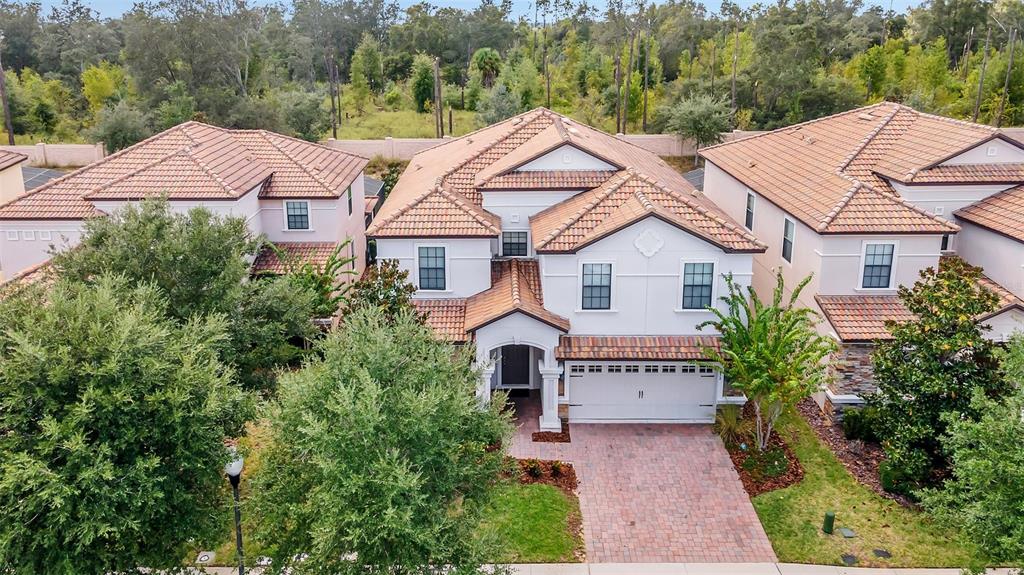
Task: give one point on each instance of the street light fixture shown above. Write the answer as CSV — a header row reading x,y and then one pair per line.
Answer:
x,y
234,472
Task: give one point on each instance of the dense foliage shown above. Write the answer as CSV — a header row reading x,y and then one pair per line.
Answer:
x,y
329,281
385,286
770,352
199,262
112,426
308,66
931,369
379,451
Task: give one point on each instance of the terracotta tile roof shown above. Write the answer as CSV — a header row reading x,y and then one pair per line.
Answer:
x,y
194,161
635,347
268,262
9,158
371,203
627,198
553,180
447,317
970,174
41,273
1002,213
515,288
861,318
825,172
478,161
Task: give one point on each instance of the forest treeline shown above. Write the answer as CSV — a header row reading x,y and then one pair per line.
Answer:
x,y
308,66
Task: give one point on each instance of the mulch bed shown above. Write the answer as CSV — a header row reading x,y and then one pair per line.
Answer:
x,y
860,458
553,436
756,486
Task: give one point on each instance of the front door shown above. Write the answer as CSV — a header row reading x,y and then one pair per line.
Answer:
x,y
515,366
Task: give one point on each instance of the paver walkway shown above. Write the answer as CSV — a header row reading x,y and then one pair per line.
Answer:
x,y
653,493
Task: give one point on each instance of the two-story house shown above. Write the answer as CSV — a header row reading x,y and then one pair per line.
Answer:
x,y
866,199
578,264
302,196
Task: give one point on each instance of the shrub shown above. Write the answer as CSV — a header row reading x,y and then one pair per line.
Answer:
x,y
766,464
533,468
556,469
729,424
861,424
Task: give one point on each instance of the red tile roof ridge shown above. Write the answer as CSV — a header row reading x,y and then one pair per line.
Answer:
x,y
792,127
381,222
517,126
843,202
866,141
302,166
301,141
612,185
517,298
700,208
469,207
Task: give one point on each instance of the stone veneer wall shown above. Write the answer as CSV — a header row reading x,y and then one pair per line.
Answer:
x,y
855,372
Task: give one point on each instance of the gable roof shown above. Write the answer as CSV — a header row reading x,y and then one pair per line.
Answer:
x,y
624,200
828,172
515,287
195,161
9,158
1002,213
268,262
636,347
483,160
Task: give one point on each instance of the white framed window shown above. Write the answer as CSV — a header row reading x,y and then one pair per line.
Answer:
x,y
788,235
698,285
594,369
576,368
650,369
45,235
748,219
944,246
349,192
668,369
614,369
596,286
12,235
877,264
706,370
296,215
688,368
28,235
632,369
431,268
515,243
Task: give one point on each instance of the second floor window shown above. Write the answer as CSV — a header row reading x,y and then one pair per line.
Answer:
x,y
297,214
878,265
513,244
748,220
597,286
350,200
431,268
698,279
788,231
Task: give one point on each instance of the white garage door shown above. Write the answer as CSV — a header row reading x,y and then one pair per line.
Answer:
x,y
637,391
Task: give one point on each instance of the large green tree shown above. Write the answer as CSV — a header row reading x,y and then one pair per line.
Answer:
x,y
200,262
770,351
701,118
380,454
930,369
113,419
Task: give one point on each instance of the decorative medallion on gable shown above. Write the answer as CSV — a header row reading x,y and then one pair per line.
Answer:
x,y
648,243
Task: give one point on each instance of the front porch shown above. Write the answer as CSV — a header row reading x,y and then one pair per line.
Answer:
x,y
526,373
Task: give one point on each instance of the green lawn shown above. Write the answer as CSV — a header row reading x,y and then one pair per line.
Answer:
x,y
532,522
374,125
792,517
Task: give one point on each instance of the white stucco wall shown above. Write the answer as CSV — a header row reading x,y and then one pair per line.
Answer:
x,y
944,200
468,264
515,208
842,262
1004,325
646,291
993,152
565,158
25,243
517,329
731,195
1000,257
12,184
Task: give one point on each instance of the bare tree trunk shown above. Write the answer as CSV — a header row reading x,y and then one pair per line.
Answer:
x,y
1006,82
438,106
981,77
618,87
647,71
714,48
330,94
628,83
735,61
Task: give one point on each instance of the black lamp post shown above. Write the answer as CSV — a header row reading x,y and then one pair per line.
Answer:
x,y
234,472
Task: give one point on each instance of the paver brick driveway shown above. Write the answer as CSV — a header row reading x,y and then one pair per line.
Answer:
x,y
654,493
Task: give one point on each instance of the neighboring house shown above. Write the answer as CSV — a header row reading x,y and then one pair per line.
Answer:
x,y
865,200
12,184
298,194
372,188
577,263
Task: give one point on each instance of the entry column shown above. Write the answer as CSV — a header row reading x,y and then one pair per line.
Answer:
x,y
483,387
549,399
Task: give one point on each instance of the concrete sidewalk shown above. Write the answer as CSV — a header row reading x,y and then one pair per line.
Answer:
x,y
690,569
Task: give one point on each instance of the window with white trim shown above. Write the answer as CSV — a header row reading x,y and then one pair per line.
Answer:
x,y
668,369
878,265
297,215
698,279
597,286
513,244
431,268
788,233
576,368
12,235
706,370
614,369
349,191
650,369
45,235
748,220
594,369
28,235
632,369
